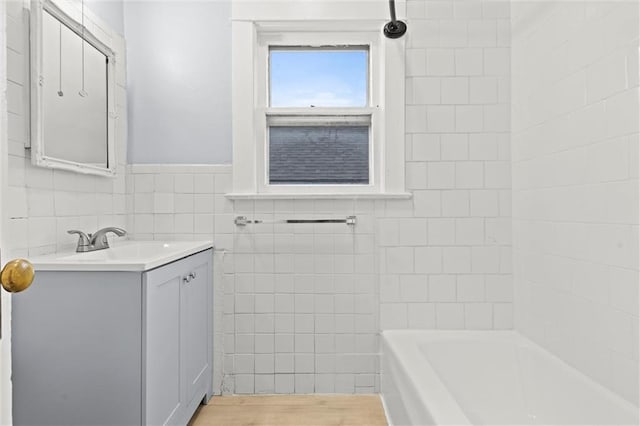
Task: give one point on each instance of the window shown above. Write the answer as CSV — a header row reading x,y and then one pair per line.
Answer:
x,y
306,148
317,110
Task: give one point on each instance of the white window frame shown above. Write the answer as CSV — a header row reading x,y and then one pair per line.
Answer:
x,y
255,29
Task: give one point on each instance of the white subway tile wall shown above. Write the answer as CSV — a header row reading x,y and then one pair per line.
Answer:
x,y
439,268
575,184
303,304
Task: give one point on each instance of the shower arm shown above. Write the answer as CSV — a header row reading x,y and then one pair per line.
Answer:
x,y
392,10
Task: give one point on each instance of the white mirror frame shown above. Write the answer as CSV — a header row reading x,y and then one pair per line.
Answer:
x,y
38,157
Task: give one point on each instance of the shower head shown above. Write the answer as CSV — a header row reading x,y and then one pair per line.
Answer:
x,y
394,28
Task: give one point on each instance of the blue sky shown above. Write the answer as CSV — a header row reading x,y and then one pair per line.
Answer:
x,y
323,78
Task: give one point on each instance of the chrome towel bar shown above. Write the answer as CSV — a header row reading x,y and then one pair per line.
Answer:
x,y
243,221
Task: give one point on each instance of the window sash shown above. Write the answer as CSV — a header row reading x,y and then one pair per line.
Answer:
x,y
354,120
325,47
332,169
306,118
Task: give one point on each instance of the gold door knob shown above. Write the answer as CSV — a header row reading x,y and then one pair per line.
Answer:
x,y
17,275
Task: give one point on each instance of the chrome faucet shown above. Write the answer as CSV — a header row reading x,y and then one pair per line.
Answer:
x,y
97,240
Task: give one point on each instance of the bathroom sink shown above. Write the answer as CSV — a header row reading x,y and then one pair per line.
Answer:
x,y
125,256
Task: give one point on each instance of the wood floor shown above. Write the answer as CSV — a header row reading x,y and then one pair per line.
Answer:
x,y
296,410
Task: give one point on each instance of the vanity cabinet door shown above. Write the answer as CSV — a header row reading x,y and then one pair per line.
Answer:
x,y
163,401
178,333
196,329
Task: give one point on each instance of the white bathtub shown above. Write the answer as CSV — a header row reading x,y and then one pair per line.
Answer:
x,y
488,378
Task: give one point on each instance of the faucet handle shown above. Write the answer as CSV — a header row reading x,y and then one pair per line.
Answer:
x,y
83,239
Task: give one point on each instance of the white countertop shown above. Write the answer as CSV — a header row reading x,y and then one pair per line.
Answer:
x,y
122,256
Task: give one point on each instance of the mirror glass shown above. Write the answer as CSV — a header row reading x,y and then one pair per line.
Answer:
x,y
73,126
74,93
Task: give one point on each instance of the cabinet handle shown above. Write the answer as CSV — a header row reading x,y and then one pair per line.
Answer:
x,y
187,279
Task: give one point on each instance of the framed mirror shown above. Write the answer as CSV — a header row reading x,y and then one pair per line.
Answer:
x,y
72,93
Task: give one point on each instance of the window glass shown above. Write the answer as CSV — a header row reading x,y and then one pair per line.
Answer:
x,y
334,154
318,77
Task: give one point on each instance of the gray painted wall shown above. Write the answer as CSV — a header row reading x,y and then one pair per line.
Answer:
x,y
179,81
111,11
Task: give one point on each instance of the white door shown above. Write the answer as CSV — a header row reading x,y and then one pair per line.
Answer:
x,y
5,303
5,339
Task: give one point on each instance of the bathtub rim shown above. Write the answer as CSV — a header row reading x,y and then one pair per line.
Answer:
x,y
403,349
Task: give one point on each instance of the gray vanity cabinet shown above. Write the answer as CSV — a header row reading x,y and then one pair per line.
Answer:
x,y
114,348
